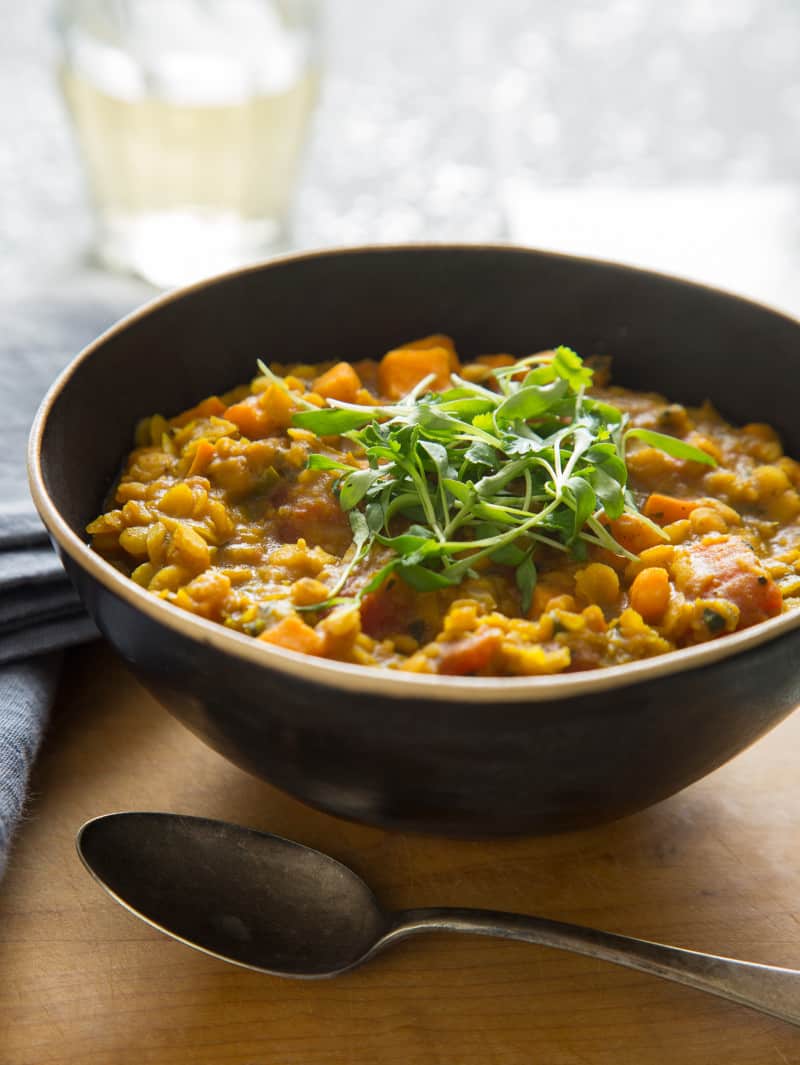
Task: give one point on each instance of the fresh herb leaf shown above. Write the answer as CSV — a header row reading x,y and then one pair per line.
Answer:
x,y
330,421
464,493
510,555
471,474
608,491
679,449
714,621
439,454
407,544
358,523
375,515
424,580
531,402
541,375
483,422
604,411
380,577
354,487
480,454
324,462
525,577
571,367
580,496
606,458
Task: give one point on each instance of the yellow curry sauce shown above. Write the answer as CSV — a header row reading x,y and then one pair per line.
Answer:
x,y
218,513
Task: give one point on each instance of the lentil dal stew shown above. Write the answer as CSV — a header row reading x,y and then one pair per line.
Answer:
x,y
504,517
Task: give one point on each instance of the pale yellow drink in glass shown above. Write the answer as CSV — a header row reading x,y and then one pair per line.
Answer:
x,y
192,163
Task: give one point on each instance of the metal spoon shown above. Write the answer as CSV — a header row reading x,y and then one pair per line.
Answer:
x,y
269,904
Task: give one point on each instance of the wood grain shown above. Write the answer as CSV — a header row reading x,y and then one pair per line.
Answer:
x,y
716,868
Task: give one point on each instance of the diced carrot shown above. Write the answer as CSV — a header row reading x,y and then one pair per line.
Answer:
x,y
496,360
469,654
367,370
340,382
293,634
502,359
213,405
259,416
436,340
650,593
433,340
666,509
634,534
202,456
251,419
403,368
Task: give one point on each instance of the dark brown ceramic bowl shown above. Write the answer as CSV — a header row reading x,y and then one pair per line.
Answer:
x,y
467,756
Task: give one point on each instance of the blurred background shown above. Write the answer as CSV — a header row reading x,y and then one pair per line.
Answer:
x,y
666,135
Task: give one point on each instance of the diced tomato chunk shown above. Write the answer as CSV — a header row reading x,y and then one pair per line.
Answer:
x,y
381,614
726,568
470,654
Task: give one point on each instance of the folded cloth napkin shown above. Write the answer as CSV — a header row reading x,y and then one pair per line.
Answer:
x,y
40,613
39,609
26,692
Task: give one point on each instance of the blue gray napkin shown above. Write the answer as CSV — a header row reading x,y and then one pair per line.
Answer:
x,y
40,613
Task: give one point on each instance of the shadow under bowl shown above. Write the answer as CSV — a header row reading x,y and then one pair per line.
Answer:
x,y
458,756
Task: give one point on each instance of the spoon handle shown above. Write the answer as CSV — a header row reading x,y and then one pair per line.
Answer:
x,y
763,987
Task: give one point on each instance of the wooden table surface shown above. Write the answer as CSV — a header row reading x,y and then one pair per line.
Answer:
x,y
716,868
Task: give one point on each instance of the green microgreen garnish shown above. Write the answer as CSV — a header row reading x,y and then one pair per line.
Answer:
x,y
455,477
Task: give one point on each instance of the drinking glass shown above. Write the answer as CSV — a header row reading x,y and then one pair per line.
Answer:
x,y
191,117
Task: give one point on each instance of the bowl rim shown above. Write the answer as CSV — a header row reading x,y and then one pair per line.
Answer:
x,y
375,680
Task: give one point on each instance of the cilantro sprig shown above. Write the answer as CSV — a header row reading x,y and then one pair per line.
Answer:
x,y
452,478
